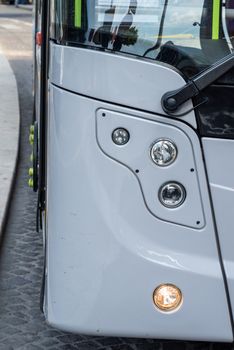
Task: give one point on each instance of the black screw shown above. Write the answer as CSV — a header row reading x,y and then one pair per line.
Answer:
x,y
137,171
103,114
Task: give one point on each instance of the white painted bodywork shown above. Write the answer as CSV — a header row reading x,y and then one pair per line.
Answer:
x,y
106,252
123,80
220,166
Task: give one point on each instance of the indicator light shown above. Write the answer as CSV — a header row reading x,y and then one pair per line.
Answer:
x,y
172,194
31,139
38,38
167,297
31,129
163,152
30,182
120,136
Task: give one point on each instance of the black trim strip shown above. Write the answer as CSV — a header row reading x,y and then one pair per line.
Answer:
x,y
43,103
42,129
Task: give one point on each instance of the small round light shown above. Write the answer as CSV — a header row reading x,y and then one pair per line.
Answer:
x,y
120,136
163,152
167,297
172,194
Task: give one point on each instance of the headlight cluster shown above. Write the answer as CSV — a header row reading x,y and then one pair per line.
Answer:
x,y
163,153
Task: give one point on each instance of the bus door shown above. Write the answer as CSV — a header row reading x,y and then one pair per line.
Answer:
x,y
139,187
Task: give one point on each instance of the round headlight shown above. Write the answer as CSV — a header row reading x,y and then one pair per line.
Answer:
x,y
120,136
172,194
167,297
163,152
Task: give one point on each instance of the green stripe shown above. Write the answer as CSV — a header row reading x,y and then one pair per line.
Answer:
x,y
215,19
78,13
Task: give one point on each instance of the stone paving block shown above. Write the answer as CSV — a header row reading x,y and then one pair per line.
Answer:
x,y
31,347
49,342
6,347
72,338
71,347
109,341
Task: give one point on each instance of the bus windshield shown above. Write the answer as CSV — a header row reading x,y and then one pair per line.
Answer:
x,y
185,34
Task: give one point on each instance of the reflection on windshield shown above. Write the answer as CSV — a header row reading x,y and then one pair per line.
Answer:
x,y
141,23
117,27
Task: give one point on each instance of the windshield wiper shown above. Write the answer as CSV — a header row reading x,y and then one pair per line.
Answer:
x,y
172,100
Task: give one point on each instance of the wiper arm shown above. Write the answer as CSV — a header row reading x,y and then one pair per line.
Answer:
x,y
172,100
159,39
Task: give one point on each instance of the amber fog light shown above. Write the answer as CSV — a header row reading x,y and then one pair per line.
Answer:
x,y
167,297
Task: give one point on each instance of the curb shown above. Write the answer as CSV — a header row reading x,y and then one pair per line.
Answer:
x,y
9,135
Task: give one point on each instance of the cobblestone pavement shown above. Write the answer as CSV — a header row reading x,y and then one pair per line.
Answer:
x,y
22,326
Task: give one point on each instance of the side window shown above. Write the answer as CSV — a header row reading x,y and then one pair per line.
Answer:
x,y
186,34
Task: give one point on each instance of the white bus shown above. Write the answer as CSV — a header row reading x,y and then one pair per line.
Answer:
x,y
133,149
